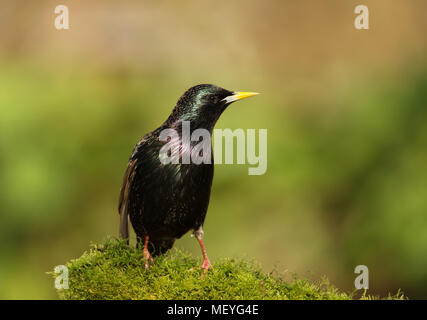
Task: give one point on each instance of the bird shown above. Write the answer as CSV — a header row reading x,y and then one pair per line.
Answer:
x,y
165,201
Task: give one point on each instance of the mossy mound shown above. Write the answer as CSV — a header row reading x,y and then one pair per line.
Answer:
x,y
114,270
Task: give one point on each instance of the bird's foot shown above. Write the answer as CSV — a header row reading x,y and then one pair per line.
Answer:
x,y
146,254
148,259
206,265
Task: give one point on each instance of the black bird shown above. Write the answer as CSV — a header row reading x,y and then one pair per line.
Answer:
x,y
165,201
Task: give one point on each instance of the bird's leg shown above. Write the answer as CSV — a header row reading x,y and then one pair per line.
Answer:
x,y
146,254
206,263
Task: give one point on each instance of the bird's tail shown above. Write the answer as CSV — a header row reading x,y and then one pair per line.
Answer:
x,y
124,225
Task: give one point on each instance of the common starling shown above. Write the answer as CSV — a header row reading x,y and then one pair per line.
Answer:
x,y
165,201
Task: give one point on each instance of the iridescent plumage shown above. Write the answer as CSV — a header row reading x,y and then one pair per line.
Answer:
x,y
165,201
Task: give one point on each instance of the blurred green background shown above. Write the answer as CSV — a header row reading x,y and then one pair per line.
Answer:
x,y
345,110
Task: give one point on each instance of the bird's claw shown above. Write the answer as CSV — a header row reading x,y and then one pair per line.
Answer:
x,y
206,265
148,260
148,263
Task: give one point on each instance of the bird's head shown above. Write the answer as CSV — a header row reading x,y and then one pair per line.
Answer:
x,y
203,104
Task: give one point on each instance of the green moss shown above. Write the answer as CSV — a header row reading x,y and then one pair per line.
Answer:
x,y
116,271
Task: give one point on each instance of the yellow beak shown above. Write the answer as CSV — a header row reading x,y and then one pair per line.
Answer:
x,y
243,95
239,96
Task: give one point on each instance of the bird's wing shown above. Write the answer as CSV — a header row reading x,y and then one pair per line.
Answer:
x,y
124,198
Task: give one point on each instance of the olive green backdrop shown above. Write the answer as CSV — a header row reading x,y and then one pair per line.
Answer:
x,y
345,110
